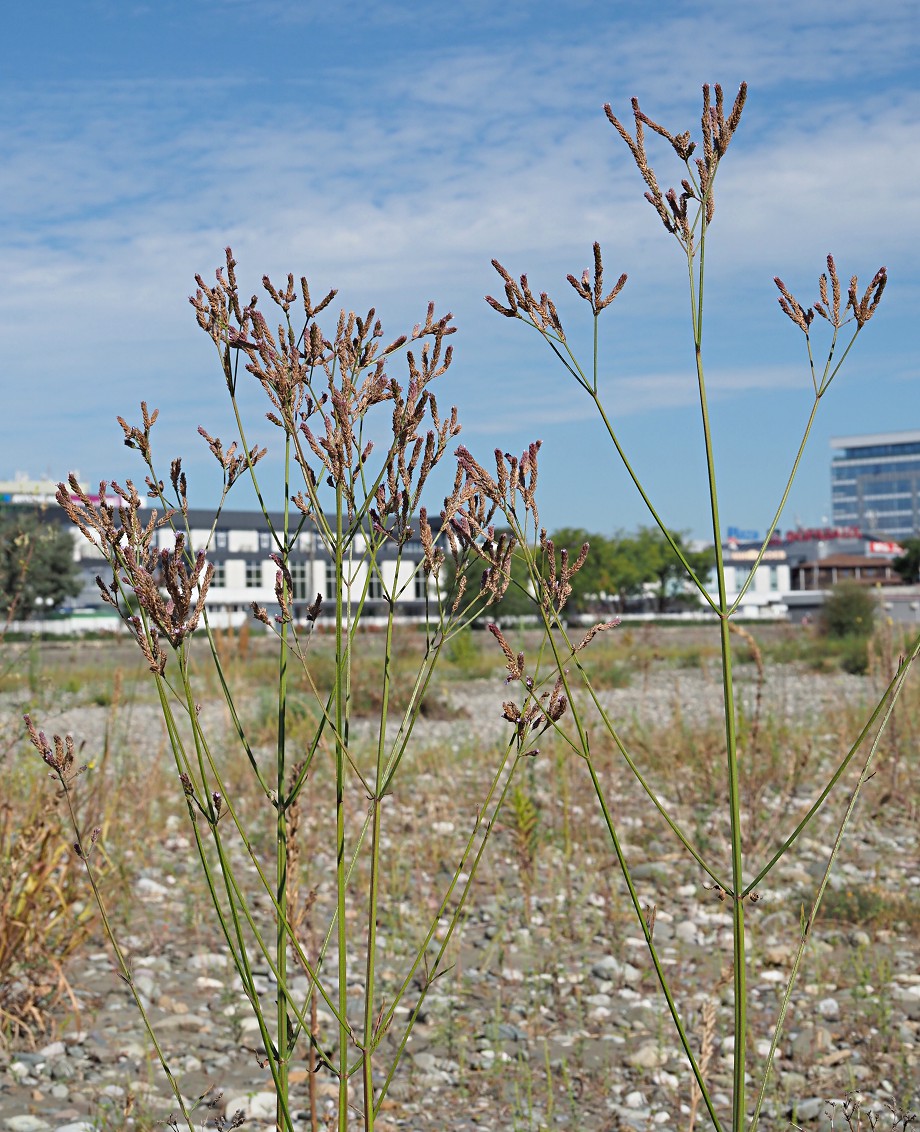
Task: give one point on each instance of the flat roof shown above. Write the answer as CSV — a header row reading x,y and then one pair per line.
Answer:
x,y
905,436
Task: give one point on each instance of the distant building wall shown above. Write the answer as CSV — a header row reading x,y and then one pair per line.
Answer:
x,y
875,482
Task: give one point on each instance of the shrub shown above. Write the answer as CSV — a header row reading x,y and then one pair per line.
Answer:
x,y
849,611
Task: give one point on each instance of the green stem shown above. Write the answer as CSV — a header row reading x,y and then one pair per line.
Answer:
x,y
739,973
235,899
342,661
892,689
559,666
779,510
672,542
369,1043
388,1015
281,837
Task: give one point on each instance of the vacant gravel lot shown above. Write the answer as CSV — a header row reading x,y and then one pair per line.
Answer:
x,y
551,1016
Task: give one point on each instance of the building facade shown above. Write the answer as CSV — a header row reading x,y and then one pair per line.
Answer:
x,y
240,546
765,596
875,483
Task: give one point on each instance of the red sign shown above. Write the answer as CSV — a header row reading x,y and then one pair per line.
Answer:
x,y
822,534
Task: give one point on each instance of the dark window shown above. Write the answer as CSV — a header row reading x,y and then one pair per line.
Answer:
x,y
301,580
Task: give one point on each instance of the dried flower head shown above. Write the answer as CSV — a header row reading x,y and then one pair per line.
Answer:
x,y
717,133
793,308
863,309
57,754
233,463
140,438
515,661
593,291
828,305
556,586
523,304
601,627
828,309
433,555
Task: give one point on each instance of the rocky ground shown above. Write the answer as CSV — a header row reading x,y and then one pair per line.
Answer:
x,y
551,1016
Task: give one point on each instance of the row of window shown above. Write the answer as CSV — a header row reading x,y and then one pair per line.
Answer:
x,y
868,451
302,581
249,541
874,503
862,471
874,516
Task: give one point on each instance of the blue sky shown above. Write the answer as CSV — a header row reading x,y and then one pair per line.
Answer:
x,y
391,150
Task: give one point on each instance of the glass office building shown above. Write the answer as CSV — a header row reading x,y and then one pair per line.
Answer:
x,y
875,483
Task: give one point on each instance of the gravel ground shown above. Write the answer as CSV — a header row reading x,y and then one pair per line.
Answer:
x,y
549,1019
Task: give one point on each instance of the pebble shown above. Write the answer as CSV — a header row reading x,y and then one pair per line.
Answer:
x,y
148,889
648,1056
256,1106
809,1109
828,1008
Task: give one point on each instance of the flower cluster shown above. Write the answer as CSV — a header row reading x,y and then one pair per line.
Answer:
x,y
828,307
169,584
717,132
539,712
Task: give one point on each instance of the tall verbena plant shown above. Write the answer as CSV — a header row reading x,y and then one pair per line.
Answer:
x,y
686,214
328,391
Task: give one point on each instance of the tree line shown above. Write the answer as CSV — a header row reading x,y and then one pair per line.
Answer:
x,y
620,570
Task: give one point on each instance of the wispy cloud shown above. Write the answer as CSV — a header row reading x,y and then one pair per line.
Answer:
x,y
397,179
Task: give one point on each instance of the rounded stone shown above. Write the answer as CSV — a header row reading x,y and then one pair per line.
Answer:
x,y
649,1055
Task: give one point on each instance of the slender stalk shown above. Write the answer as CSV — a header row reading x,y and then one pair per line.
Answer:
x,y
739,972
281,832
779,510
553,625
236,902
227,871
369,1042
904,666
672,542
342,662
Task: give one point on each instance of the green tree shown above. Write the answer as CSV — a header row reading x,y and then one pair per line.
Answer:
x,y
37,568
908,564
589,582
656,562
848,611
611,574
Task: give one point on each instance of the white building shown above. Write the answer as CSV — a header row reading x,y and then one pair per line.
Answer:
x,y
765,597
